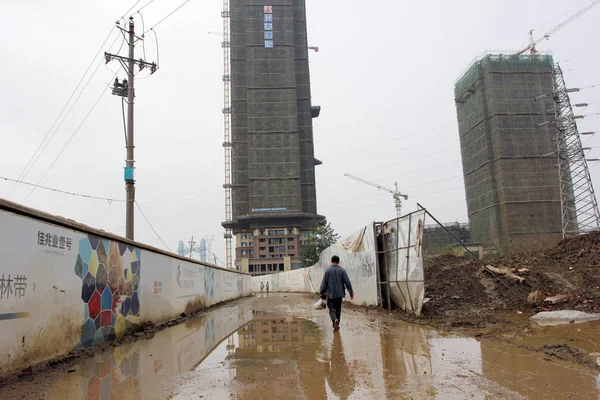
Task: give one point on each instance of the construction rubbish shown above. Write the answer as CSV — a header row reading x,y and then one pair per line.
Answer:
x,y
558,299
535,297
503,271
562,317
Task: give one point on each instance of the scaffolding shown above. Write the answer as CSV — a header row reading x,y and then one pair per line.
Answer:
x,y
509,161
578,201
226,44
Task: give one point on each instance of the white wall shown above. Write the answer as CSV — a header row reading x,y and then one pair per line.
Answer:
x,y
64,286
360,265
358,256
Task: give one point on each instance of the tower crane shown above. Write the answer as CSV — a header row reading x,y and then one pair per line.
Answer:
x,y
396,193
531,47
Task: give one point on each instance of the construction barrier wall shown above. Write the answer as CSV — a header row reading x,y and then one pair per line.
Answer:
x,y
401,255
65,286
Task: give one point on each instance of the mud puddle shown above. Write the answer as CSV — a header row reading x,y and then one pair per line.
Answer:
x,y
277,347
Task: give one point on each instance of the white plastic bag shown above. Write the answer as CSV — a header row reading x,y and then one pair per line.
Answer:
x,y
320,305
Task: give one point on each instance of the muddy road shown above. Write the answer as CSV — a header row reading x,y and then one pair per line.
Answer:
x,y
277,347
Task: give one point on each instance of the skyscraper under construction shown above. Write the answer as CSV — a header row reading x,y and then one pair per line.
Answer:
x,y
273,192
509,151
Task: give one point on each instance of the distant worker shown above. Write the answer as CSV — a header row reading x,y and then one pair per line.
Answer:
x,y
267,287
262,286
333,288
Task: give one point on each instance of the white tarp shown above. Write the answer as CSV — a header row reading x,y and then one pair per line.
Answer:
x,y
403,238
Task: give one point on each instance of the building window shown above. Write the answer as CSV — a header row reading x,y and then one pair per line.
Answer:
x,y
263,267
251,268
244,236
262,248
282,249
292,255
281,267
271,232
271,249
282,232
290,239
305,234
262,240
262,256
291,247
244,252
251,252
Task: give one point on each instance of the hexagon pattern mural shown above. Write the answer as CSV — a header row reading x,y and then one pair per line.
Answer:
x,y
110,273
111,374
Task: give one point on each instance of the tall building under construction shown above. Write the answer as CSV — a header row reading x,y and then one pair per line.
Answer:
x,y
509,151
273,190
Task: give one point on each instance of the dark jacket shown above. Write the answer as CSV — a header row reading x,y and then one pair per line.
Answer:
x,y
335,282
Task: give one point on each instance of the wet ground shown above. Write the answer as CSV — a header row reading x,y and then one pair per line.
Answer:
x,y
277,347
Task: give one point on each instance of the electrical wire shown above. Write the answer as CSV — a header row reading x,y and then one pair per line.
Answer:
x,y
132,7
69,141
390,164
87,196
151,227
27,168
146,5
143,30
388,141
171,13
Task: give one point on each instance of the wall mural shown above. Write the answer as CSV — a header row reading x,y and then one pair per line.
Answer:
x,y
110,273
209,284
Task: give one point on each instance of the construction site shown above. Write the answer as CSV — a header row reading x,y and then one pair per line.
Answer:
x,y
503,303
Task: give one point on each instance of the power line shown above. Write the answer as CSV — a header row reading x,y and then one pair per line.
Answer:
x,y
132,7
69,141
171,13
24,173
388,202
151,227
389,140
64,117
390,164
87,196
146,5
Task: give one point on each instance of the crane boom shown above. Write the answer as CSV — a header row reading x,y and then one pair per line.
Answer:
x,y
533,43
397,195
356,178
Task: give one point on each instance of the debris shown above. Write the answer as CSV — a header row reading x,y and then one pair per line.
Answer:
x,y
563,317
534,297
505,272
519,312
558,299
523,270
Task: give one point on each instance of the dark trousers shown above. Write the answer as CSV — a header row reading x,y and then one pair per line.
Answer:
x,y
335,309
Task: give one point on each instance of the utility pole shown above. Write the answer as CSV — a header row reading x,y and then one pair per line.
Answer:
x,y
126,89
192,243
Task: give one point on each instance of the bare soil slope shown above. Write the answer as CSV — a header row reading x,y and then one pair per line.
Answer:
x,y
462,293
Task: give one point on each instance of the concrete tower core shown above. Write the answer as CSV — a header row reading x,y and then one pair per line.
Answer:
x,y
273,165
509,160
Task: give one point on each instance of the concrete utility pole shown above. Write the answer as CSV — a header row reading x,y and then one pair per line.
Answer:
x,y
192,243
126,89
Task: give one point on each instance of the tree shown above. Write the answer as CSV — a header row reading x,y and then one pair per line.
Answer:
x,y
321,237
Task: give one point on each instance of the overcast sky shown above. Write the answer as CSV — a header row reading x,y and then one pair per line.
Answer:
x,y
384,77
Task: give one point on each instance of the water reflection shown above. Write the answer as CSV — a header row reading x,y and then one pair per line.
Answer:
x,y
255,355
337,372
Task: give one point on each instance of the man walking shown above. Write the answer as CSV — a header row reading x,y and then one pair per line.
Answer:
x,y
333,287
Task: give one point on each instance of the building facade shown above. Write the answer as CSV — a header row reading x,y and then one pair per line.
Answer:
x,y
273,163
509,151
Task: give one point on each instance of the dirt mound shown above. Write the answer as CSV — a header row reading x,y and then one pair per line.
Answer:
x,y
460,287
